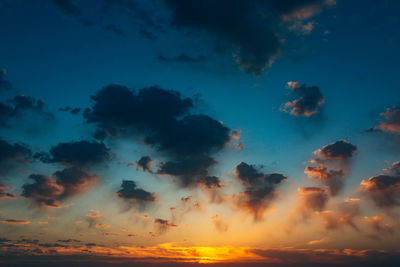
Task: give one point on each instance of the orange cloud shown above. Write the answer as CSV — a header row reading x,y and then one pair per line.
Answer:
x,y
15,222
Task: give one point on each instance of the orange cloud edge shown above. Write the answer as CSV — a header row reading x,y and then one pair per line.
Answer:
x,y
169,253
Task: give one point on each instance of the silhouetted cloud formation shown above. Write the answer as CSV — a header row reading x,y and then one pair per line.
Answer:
x,y
384,189
21,105
135,196
260,188
43,191
73,111
161,118
339,150
392,121
117,110
309,101
337,153
210,182
76,153
46,191
189,170
10,151
244,28
4,193
73,180
332,178
144,163
162,226
141,14
11,154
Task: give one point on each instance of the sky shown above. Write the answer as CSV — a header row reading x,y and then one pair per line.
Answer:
x,y
172,132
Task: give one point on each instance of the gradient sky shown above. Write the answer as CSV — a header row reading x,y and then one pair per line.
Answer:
x,y
200,131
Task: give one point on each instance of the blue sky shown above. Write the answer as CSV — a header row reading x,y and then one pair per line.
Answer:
x,y
63,52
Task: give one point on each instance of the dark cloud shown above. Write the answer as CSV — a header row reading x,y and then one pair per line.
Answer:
x,y
43,191
48,192
12,155
68,241
135,196
392,121
182,58
210,182
332,178
161,118
114,29
260,189
192,135
4,193
117,110
140,13
337,153
22,105
10,152
309,101
4,84
313,199
190,170
68,7
77,153
144,163
73,180
339,150
242,28
73,111
162,226
384,189
237,24
185,206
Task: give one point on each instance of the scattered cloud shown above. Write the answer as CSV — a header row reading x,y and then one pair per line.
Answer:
x,y
162,226
245,29
309,102
16,222
78,153
391,123
134,196
3,192
260,189
384,189
145,163
48,192
21,106
335,154
161,118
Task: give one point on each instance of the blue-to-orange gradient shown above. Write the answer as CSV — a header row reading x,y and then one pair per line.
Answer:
x,y
188,132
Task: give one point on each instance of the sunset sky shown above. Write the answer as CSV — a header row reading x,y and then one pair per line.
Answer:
x,y
247,132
